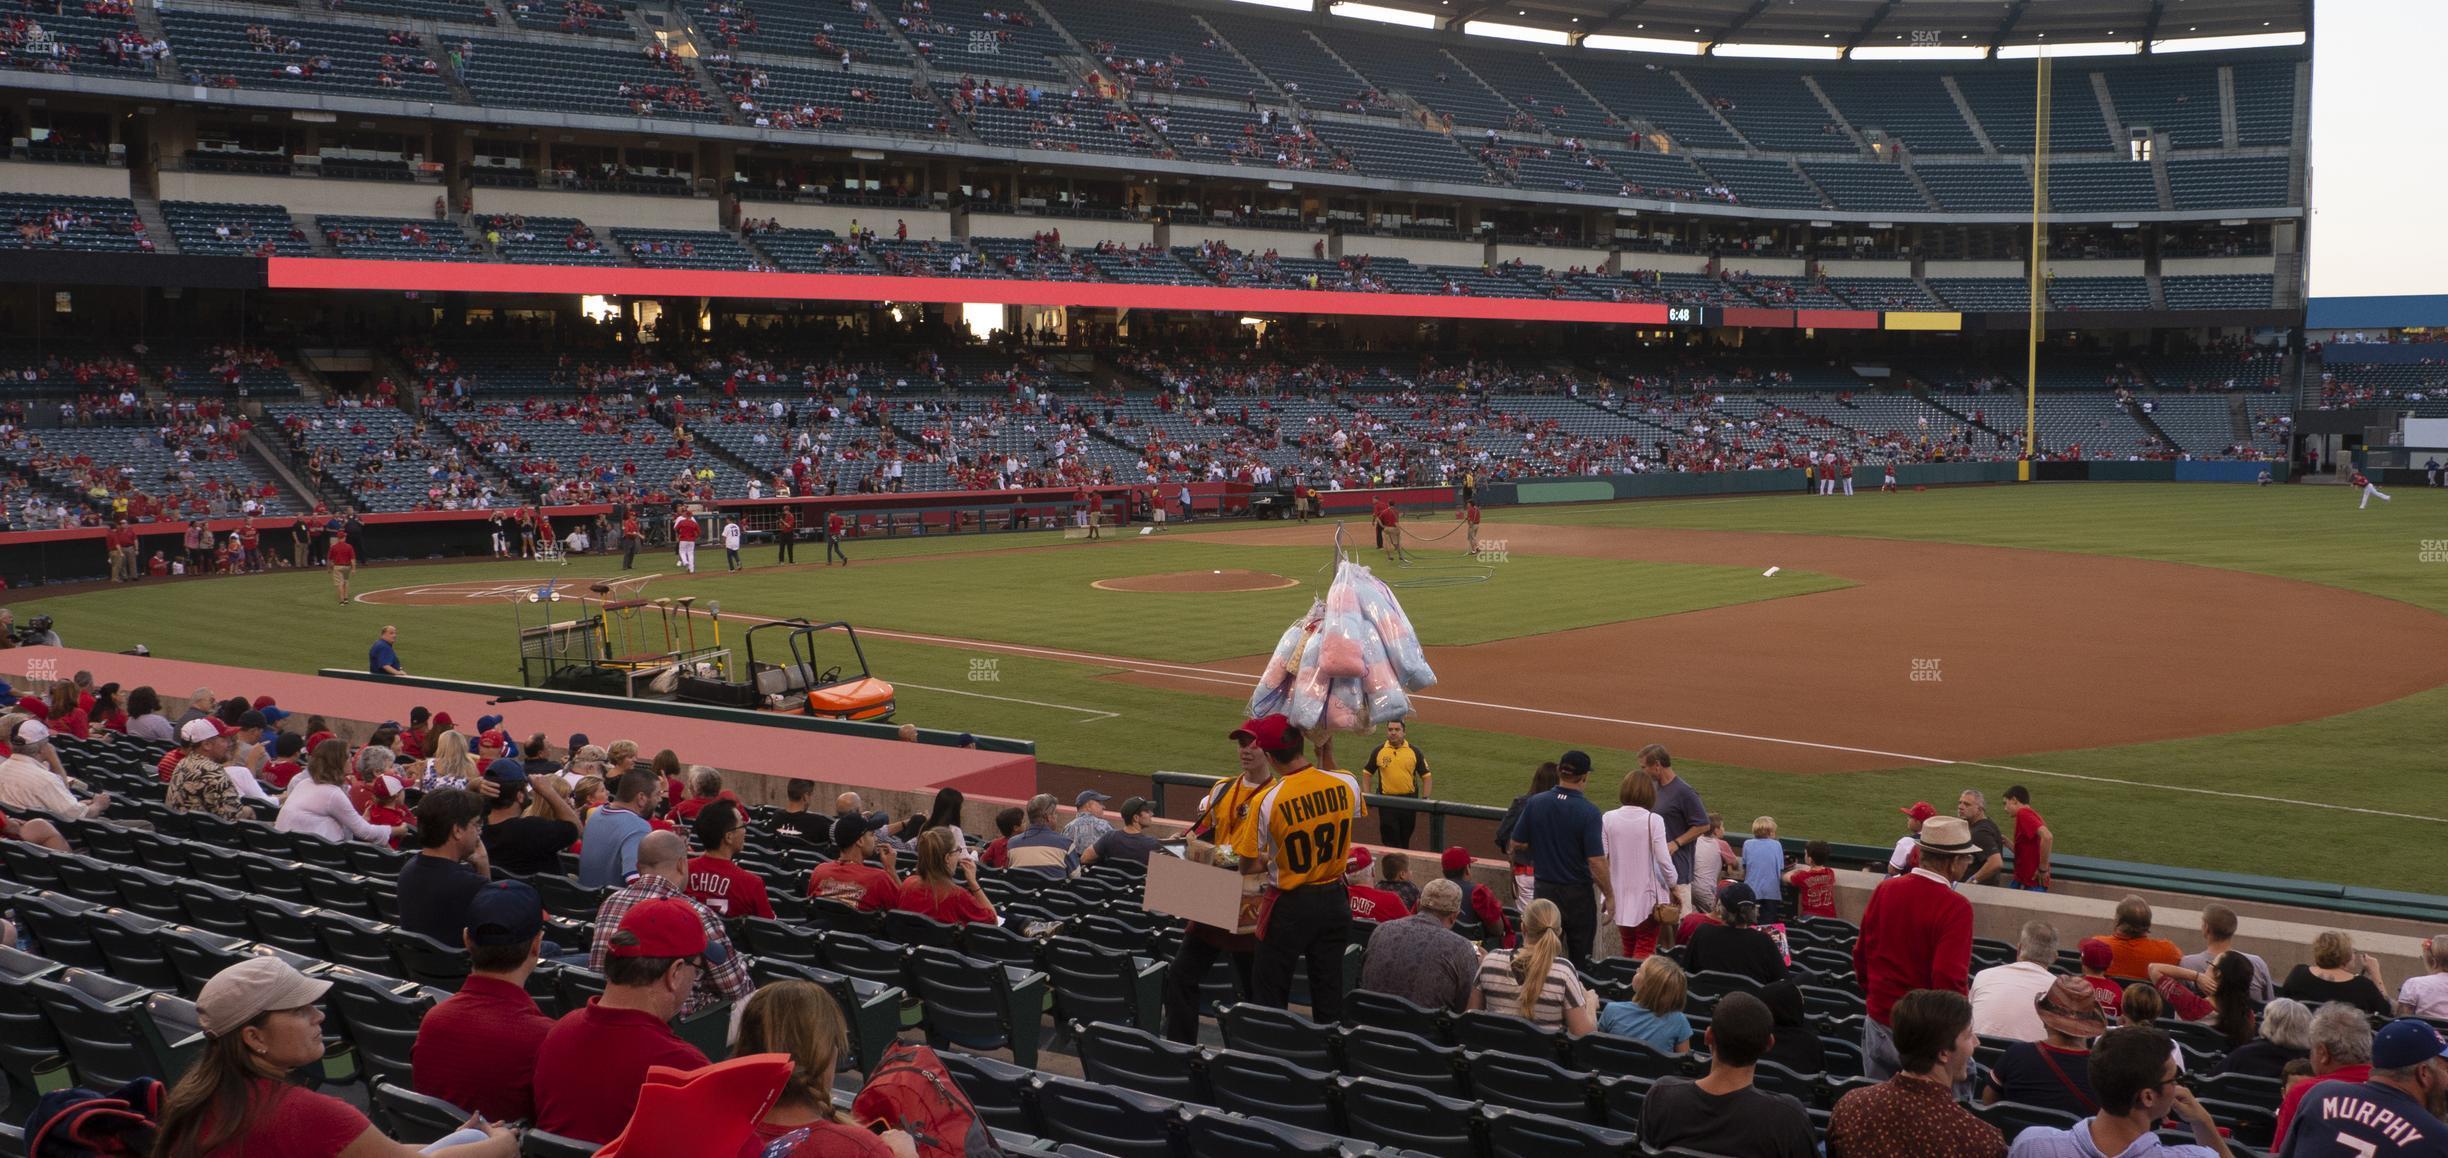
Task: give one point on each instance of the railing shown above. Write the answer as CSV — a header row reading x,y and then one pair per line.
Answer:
x,y
2081,869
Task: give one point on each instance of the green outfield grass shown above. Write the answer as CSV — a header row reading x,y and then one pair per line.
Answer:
x,y
2383,758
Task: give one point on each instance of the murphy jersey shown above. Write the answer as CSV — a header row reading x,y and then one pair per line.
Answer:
x,y
2363,1120
1304,827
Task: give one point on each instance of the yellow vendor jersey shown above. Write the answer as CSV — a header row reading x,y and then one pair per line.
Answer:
x,y
1305,823
1234,809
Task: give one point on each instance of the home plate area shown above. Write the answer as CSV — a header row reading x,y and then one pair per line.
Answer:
x,y
461,592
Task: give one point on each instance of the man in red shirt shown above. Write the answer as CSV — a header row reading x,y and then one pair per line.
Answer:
x,y
629,541
715,878
1392,521
1470,526
850,880
477,1050
684,534
1368,902
786,532
591,1065
123,553
833,538
1916,933
2034,845
343,557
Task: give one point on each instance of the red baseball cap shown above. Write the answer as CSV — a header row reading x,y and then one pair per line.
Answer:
x,y
262,702
1457,858
1920,810
2096,954
1267,731
442,719
1360,859
663,928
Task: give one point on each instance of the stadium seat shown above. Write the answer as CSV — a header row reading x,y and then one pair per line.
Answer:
x,y
2012,1118
1001,1091
1092,984
1114,1121
1135,1059
1608,1054
1484,1029
1278,1033
978,1005
357,943
1215,1132
1263,1086
414,1118
544,1144
1404,1058
872,1011
30,1051
380,1021
1515,1134
129,950
1535,1085
429,962
1388,1011
1390,1114
57,925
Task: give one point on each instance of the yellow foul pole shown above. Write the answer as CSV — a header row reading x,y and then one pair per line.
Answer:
x,y
2037,304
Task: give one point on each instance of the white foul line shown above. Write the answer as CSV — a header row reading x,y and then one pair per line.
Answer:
x,y
1098,713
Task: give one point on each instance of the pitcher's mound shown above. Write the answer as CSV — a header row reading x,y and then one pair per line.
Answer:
x,y
1198,582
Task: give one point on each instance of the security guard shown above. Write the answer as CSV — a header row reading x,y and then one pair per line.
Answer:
x,y
1228,818
1397,769
1304,837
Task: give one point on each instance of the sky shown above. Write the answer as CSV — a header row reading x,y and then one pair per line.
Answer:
x,y
2376,173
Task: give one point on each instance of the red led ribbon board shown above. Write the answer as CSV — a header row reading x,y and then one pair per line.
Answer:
x,y
323,273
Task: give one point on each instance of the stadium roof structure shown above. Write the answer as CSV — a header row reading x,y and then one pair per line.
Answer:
x,y
1851,24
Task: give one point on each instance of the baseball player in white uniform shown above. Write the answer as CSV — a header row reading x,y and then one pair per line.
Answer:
x,y
731,544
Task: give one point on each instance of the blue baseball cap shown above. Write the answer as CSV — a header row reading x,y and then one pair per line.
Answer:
x,y
505,913
488,723
506,770
2405,1043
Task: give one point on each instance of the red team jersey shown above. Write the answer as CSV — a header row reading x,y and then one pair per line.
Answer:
x,y
728,889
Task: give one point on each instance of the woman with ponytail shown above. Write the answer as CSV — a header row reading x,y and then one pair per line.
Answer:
x,y
1534,981
800,1019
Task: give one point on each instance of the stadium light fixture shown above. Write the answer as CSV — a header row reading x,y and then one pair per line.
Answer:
x,y
1781,51
1908,52
1613,43
2089,48
1382,15
1497,31
1299,5
2215,43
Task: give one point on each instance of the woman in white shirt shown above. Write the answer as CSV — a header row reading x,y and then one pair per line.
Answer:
x,y
2426,995
318,802
1639,861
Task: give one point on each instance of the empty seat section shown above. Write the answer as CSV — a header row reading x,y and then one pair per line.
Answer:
x,y
223,51
1867,186
234,230
1911,106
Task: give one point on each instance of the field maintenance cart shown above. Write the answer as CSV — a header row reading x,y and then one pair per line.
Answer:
x,y
807,668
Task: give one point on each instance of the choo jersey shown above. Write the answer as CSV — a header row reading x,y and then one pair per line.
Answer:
x,y
1304,827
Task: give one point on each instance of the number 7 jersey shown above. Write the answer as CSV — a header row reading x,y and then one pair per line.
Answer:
x,y
1304,829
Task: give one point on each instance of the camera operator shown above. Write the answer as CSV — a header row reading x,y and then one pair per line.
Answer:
x,y
36,633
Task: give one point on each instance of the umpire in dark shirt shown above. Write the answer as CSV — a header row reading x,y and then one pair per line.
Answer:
x,y
1567,853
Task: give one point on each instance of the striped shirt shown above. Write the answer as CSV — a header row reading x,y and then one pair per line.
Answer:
x,y
1501,993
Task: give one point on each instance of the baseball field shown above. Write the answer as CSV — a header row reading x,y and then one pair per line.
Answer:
x,y
2226,677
